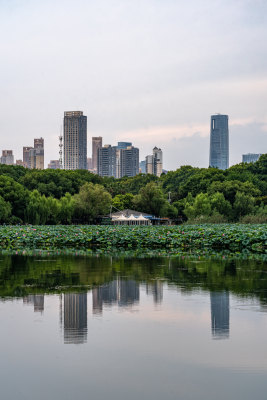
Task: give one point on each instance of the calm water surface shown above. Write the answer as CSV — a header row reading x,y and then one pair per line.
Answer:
x,y
124,328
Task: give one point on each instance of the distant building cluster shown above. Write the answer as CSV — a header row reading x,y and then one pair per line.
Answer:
x,y
120,160
33,157
107,160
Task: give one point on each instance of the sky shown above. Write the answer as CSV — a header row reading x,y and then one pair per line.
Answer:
x,y
147,71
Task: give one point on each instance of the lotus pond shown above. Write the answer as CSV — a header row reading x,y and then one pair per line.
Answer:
x,y
172,239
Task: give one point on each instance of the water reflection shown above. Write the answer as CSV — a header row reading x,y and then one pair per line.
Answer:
x,y
159,347
156,289
119,291
219,305
75,318
37,300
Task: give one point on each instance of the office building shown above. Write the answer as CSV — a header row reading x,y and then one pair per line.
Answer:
x,y
75,140
96,144
7,157
219,142
250,157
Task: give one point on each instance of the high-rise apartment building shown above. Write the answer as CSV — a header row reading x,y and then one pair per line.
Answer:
x,y
96,144
7,157
157,158
26,155
75,140
154,162
129,161
33,157
250,157
106,164
38,143
219,142
118,161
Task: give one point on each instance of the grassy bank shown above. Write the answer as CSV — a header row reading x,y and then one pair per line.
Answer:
x,y
232,237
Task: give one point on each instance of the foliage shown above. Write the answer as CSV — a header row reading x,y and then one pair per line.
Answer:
x,y
232,237
151,200
123,201
15,194
5,210
92,201
216,195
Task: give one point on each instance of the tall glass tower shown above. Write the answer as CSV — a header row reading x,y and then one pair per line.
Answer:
x,y
219,142
75,140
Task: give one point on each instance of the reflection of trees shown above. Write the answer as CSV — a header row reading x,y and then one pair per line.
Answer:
x,y
22,276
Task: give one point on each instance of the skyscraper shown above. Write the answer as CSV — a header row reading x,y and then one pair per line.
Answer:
x,y
75,140
219,142
106,165
26,155
129,161
96,144
154,162
157,155
118,161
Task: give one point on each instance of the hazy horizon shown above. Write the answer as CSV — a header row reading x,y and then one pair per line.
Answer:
x,y
148,72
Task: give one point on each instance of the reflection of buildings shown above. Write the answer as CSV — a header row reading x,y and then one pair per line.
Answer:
x,y
75,318
156,289
37,300
123,292
219,303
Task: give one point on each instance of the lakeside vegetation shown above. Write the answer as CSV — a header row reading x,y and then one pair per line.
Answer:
x,y
238,194
173,239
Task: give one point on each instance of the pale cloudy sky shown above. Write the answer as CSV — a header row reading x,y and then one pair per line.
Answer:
x,y
147,71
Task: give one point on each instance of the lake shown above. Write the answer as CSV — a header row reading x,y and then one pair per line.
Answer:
x,y
133,328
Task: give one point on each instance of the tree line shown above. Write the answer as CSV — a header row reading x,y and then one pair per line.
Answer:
x,y
187,194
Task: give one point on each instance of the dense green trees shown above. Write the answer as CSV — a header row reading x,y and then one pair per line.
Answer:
x,y
59,196
91,201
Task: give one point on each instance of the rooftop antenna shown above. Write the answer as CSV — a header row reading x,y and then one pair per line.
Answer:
x,y
60,149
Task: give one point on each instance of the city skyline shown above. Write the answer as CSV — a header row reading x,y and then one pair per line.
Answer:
x,y
150,79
